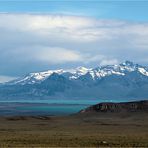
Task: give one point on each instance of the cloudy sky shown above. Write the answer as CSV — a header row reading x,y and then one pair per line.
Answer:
x,y
39,35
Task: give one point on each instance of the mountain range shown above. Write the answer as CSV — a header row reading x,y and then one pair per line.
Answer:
x,y
126,81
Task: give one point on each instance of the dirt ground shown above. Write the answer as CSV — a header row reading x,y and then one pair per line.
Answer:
x,y
81,130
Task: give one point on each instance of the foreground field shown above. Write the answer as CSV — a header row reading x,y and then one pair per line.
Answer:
x,y
89,129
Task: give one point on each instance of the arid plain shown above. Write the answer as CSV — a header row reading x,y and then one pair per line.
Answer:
x,y
79,130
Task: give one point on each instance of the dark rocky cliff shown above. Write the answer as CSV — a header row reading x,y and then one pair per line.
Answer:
x,y
136,106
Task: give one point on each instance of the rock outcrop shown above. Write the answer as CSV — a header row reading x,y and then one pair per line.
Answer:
x,y
118,107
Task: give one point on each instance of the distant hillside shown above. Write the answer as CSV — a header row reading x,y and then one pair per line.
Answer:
x,y
136,106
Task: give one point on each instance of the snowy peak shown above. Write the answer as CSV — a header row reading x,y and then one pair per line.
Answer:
x,y
128,63
121,69
96,73
43,75
130,66
123,81
82,70
36,77
79,71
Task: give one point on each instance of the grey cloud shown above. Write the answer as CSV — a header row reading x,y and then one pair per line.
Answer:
x,y
36,42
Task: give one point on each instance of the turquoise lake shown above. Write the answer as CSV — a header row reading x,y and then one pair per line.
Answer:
x,y
42,107
45,107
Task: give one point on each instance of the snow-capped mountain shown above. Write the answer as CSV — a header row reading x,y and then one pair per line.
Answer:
x,y
38,77
96,73
121,69
124,81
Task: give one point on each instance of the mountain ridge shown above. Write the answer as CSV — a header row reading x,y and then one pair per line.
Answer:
x,y
125,81
95,73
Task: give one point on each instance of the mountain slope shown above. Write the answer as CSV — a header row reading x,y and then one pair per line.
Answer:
x,y
124,81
